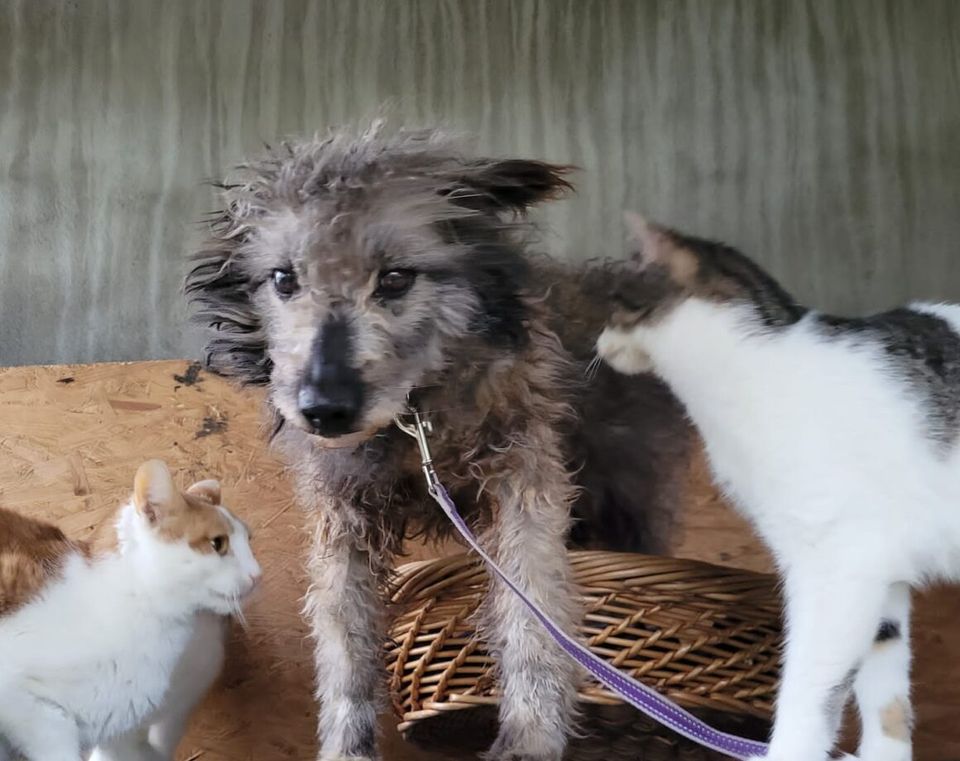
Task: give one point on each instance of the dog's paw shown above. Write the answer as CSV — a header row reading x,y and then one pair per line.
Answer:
x,y
505,749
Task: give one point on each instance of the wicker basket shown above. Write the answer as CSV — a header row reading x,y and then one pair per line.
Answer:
x,y
706,636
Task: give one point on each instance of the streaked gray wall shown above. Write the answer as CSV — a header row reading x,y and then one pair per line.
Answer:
x,y
822,136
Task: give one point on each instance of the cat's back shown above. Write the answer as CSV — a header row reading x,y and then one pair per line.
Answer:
x,y
32,555
920,332
920,349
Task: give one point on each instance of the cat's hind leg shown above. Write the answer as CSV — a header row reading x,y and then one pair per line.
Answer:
x,y
883,685
832,617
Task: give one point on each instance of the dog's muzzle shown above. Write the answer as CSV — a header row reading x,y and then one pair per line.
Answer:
x,y
330,396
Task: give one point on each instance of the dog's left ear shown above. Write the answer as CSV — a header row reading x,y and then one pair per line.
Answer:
x,y
505,185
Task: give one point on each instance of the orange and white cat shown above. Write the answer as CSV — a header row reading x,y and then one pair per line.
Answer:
x,y
110,654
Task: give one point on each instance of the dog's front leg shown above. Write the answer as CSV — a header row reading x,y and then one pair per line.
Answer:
x,y
538,681
343,609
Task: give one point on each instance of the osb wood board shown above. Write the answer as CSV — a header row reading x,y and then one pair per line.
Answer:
x,y
71,438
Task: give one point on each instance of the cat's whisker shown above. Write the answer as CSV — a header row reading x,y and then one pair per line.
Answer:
x,y
238,613
593,367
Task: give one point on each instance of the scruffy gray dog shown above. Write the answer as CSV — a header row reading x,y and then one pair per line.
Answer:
x,y
355,273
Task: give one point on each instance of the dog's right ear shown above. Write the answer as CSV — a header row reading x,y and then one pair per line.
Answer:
x,y
507,185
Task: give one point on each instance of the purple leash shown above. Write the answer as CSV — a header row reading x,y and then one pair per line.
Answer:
x,y
637,694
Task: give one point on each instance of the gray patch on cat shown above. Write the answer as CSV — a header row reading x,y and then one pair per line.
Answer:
x,y
888,630
719,273
924,350
840,692
732,276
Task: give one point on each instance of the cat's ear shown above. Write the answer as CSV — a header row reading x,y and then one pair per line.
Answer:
x,y
208,490
154,492
655,244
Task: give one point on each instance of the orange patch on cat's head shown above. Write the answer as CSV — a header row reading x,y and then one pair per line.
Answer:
x,y
192,516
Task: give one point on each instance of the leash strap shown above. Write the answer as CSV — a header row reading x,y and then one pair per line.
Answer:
x,y
634,692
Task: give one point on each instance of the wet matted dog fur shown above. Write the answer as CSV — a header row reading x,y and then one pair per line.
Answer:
x,y
352,272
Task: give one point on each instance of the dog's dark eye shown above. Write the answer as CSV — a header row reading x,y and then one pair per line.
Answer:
x,y
285,283
395,283
220,544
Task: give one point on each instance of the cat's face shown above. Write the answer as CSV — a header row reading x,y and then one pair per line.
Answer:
x,y
660,274
196,547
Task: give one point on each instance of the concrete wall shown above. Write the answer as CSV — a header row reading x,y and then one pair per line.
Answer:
x,y
823,136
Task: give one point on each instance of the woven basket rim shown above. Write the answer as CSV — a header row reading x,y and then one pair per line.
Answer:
x,y
690,606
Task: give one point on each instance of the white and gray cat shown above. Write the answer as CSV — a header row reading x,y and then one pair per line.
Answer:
x,y
111,654
839,438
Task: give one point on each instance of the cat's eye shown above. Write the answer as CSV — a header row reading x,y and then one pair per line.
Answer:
x,y
285,283
220,544
627,301
394,283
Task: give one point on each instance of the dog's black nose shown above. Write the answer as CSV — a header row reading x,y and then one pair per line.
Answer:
x,y
331,392
331,409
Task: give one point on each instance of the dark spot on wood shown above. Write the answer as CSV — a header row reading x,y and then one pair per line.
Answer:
x,y
888,630
191,376
212,424
68,379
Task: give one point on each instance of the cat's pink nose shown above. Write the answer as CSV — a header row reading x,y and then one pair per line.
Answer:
x,y
255,579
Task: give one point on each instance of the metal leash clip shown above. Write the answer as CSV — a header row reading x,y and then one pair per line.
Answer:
x,y
419,429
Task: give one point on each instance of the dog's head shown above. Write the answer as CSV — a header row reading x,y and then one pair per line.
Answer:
x,y
346,272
